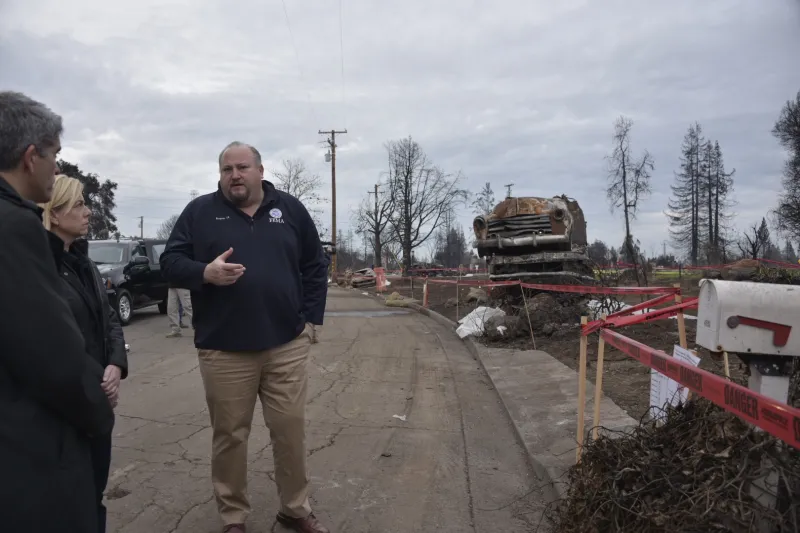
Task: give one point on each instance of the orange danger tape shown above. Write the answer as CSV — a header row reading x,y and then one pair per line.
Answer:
x,y
582,289
619,321
774,417
578,289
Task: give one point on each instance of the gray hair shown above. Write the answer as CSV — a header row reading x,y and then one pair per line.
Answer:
x,y
25,122
237,144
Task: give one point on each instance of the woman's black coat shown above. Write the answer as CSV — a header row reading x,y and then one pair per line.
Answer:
x,y
96,318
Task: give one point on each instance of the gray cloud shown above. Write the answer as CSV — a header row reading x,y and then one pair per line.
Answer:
x,y
522,92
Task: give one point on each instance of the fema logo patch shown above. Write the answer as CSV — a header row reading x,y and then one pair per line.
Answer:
x,y
275,216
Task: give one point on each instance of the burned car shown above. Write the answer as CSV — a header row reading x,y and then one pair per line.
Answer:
x,y
538,239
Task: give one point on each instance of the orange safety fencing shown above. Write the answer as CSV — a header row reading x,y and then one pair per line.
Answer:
x,y
773,416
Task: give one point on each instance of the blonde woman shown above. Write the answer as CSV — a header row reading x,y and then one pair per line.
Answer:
x,y
66,218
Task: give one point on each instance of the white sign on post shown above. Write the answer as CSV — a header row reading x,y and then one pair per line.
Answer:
x,y
665,391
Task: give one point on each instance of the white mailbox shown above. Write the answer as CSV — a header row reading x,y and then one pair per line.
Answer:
x,y
749,318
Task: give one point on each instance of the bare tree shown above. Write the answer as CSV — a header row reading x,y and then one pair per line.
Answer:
x,y
373,217
484,202
165,229
422,193
755,241
295,179
787,131
629,179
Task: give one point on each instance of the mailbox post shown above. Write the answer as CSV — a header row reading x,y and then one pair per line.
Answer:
x,y
757,322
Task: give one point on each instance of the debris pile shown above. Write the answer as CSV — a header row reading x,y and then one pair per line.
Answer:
x,y
693,473
548,313
398,300
360,278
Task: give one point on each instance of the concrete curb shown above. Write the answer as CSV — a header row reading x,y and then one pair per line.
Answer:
x,y
554,491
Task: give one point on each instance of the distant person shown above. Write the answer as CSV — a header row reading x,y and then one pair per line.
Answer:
x,y
52,401
66,218
179,308
253,260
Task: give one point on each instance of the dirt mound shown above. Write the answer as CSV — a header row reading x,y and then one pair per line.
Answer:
x,y
694,473
548,311
743,270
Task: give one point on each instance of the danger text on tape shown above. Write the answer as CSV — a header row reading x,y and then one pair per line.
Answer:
x,y
774,417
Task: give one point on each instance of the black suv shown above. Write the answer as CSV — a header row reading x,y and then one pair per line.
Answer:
x,y
132,274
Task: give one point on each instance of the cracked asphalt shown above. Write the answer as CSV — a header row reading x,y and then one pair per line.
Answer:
x,y
447,462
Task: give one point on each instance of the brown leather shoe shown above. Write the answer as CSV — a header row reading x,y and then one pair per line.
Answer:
x,y
233,528
309,524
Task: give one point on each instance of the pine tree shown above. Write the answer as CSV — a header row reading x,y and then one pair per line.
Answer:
x,y
715,187
789,255
685,215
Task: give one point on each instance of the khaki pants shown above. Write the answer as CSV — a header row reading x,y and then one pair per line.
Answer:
x,y
232,381
173,311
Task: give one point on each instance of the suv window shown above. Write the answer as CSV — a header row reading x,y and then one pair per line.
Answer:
x,y
107,252
158,249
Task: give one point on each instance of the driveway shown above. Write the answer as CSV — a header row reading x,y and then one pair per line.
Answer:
x,y
405,434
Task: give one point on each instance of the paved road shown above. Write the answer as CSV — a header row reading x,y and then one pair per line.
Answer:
x,y
453,465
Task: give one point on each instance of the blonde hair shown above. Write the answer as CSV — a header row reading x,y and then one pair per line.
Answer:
x,y
66,193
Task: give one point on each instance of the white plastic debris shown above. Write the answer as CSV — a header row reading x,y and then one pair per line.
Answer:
x,y
502,330
475,322
402,418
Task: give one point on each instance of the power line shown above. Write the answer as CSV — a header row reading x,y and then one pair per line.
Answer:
x,y
297,60
341,56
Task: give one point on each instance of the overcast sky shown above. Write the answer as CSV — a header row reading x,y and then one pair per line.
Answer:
x,y
522,92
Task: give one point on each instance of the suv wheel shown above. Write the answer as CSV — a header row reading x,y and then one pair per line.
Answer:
x,y
124,307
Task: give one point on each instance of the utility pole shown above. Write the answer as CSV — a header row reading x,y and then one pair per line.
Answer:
x,y
376,255
508,189
141,227
332,145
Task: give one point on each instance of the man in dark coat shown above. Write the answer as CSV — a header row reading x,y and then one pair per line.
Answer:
x,y
252,258
51,399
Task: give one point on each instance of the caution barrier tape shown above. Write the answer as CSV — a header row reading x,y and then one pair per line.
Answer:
x,y
629,319
472,282
774,417
644,305
577,289
587,289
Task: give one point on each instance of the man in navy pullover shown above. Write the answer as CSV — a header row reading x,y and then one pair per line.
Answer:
x,y
252,258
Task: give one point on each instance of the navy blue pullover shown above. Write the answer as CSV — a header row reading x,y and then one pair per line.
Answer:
x,y
285,282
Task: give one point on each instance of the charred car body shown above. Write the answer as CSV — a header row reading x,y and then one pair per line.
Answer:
x,y
540,239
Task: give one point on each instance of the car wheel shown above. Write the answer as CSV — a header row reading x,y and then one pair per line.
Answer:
x,y
162,307
124,307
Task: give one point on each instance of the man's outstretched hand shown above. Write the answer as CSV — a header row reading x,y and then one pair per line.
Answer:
x,y
219,272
